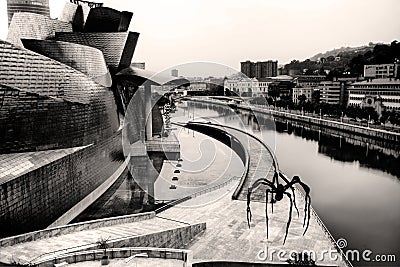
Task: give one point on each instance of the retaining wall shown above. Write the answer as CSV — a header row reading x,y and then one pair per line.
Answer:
x,y
36,199
76,227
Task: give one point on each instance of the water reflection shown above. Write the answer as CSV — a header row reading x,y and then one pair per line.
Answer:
x,y
370,155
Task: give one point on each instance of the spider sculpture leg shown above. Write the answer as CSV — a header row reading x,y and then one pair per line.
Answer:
x,y
250,190
290,215
307,205
266,208
248,206
274,181
293,193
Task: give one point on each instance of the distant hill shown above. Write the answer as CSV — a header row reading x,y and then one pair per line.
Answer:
x,y
337,51
346,61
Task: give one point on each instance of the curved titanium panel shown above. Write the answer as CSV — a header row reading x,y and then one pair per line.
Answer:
x,y
51,105
117,47
34,26
75,14
105,19
33,122
35,73
35,6
86,59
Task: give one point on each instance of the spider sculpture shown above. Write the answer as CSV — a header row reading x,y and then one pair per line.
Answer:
x,y
277,191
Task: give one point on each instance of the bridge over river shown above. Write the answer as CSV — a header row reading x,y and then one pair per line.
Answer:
x,y
215,232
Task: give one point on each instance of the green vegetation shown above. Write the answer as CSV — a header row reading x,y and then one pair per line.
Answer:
x,y
348,63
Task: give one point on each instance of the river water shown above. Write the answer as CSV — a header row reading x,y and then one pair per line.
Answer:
x,y
355,186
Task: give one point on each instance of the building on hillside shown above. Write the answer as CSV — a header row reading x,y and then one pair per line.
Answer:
x,y
372,92
381,71
259,70
263,85
281,89
309,80
306,85
330,92
299,91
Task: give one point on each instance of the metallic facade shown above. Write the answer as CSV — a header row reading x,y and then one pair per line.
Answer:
x,y
31,6
59,116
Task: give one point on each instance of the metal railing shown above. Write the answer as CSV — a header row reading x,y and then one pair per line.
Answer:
x,y
196,194
216,187
346,121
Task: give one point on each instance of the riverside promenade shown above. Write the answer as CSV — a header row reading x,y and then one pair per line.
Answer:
x,y
214,231
344,127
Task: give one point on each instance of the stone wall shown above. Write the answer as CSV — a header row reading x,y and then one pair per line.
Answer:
x,y
70,228
186,256
34,200
173,238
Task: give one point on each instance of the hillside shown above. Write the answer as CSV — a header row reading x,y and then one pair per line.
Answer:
x,y
346,61
337,51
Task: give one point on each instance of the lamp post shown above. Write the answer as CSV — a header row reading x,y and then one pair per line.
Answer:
x,y
369,118
341,119
320,113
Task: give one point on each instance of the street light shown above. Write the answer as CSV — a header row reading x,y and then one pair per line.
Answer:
x,y
369,118
320,113
342,117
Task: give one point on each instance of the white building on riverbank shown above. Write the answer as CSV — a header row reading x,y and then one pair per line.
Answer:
x,y
369,93
243,86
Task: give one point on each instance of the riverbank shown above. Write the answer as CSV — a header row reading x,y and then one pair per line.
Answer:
x,y
346,128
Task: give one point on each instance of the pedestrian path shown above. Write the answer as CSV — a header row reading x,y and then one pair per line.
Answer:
x,y
228,237
49,247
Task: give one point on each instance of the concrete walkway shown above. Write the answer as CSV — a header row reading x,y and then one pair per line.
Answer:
x,y
26,252
228,238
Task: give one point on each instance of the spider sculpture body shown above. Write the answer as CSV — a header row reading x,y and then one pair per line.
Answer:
x,y
278,191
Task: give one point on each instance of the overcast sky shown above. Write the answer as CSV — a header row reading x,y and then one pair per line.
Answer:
x,y
229,31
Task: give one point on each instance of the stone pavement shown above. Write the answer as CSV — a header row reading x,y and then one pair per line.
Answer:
x,y
25,252
228,237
